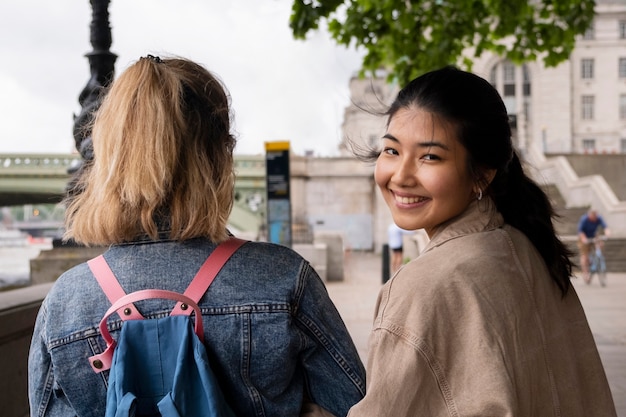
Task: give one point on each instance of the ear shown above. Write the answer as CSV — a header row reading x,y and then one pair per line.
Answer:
x,y
483,183
489,175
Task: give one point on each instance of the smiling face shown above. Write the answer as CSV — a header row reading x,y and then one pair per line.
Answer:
x,y
422,171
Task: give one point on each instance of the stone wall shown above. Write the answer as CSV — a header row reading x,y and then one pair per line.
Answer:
x,y
18,310
612,167
336,195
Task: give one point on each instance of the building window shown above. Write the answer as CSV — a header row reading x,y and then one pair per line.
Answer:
x,y
622,67
590,33
622,106
586,68
622,29
514,84
623,145
587,107
589,145
508,78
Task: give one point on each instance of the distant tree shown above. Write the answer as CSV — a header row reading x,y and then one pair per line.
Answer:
x,y
409,37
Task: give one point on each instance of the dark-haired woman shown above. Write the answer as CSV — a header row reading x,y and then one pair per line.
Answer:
x,y
485,322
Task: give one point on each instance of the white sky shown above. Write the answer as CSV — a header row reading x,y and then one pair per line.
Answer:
x,y
281,89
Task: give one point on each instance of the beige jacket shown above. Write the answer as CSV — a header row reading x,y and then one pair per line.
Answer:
x,y
475,327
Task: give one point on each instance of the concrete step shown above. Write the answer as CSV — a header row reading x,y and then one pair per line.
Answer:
x,y
567,221
615,254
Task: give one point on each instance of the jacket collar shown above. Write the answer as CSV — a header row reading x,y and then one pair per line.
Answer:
x,y
480,216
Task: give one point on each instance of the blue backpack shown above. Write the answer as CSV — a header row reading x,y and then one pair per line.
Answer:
x,y
159,367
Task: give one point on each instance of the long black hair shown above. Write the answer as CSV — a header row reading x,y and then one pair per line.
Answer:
x,y
476,111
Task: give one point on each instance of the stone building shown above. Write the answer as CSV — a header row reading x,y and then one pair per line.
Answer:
x,y
576,107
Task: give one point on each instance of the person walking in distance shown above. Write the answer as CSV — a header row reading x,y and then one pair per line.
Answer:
x,y
395,238
485,321
588,226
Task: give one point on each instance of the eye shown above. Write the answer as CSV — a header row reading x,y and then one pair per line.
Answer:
x,y
431,157
389,151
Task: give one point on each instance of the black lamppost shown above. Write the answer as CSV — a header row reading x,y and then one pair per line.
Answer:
x,y
102,68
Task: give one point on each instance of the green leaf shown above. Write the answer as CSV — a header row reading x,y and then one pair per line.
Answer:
x,y
410,37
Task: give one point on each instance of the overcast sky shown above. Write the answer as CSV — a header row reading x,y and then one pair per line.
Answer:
x,y
281,89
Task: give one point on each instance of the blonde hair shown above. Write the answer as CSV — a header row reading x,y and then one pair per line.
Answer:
x,y
162,158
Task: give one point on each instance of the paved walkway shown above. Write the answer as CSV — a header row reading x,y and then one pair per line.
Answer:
x,y
605,308
356,296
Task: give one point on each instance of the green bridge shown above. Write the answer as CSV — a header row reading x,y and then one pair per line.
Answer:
x,y
43,178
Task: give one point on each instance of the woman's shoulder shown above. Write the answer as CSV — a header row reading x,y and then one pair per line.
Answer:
x,y
271,262
270,253
469,248
451,280
269,247
459,265
73,280
74,304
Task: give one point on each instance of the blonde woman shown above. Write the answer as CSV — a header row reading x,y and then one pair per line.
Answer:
x,y
159,193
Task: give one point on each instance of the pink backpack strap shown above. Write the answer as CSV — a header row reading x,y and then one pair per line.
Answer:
x,y
208,271
102,362
123,304
199,285
112,288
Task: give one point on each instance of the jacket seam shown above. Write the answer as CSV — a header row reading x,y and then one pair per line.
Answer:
x,y
49,381
312,327
332,351
246,349
116,324
423,349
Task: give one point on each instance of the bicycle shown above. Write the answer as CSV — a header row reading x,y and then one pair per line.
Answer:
x,y
597,262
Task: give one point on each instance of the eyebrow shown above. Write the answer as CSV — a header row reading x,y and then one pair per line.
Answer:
x,y
428,144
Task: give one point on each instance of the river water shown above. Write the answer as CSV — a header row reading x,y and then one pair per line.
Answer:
x,y
15,256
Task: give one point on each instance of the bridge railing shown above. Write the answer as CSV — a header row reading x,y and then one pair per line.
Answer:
x,y
39,164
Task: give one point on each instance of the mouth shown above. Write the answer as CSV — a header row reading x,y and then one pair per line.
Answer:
x,y
409,200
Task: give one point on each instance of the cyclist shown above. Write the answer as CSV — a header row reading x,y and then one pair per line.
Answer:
x,y
587,228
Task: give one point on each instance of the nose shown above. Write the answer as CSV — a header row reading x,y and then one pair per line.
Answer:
x,y
405,174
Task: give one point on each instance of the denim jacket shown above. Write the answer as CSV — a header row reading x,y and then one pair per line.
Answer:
x,y
273,336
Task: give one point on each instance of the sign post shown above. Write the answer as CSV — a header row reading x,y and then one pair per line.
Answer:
x,y
278,192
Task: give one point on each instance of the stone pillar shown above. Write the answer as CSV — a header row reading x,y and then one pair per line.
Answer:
x,y
334,245
50,264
